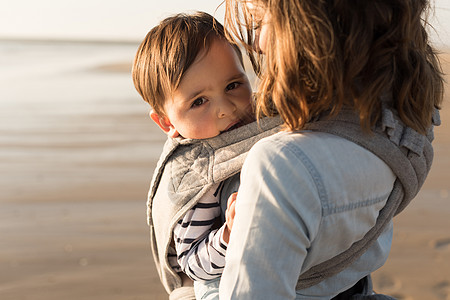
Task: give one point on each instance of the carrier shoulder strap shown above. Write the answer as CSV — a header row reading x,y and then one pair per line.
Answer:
x,y
409,155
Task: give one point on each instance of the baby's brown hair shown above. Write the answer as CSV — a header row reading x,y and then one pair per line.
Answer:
x,y
167,52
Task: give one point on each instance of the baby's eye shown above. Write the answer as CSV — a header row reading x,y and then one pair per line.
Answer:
x,y
232,86
198,102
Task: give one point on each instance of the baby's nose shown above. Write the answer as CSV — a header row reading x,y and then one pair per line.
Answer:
x,y
226,108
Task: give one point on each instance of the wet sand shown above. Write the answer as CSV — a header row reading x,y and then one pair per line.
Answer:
x,y
74,184
77,152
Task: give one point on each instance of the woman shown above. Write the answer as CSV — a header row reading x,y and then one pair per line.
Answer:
x,y
358,87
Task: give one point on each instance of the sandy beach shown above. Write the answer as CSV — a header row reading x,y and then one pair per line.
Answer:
x,y
77,152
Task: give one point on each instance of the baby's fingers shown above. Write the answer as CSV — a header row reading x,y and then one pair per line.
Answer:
x,y
231,212
231,199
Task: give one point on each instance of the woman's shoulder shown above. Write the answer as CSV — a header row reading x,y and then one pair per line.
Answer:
x,y
310,149
326,153
305,140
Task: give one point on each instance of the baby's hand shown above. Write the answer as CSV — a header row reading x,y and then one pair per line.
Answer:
x,y
229,216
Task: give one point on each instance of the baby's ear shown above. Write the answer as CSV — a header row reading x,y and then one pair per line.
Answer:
x,y
164,124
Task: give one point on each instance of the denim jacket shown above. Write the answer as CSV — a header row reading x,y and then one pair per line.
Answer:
x,y
318,195
309,218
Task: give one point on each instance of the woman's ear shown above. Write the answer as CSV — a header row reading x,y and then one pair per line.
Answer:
x,y
164,124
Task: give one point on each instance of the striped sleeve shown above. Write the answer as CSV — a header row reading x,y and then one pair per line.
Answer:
x,y
200,249
172,257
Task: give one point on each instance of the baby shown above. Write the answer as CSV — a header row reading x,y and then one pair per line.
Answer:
x,y
196,85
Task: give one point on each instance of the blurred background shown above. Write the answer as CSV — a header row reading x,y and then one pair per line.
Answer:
x,y
77,152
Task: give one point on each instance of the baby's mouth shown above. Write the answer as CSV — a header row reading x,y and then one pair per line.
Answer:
x,y
244,120
234,126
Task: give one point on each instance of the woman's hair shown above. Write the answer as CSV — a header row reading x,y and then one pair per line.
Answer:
x,y
323,55
167,52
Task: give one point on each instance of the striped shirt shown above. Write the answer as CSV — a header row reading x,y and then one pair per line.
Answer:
x,y
200,249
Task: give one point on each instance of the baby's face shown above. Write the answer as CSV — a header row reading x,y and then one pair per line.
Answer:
x,y
214,95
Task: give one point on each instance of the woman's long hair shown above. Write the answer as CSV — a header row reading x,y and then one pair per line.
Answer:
x,y
323,55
